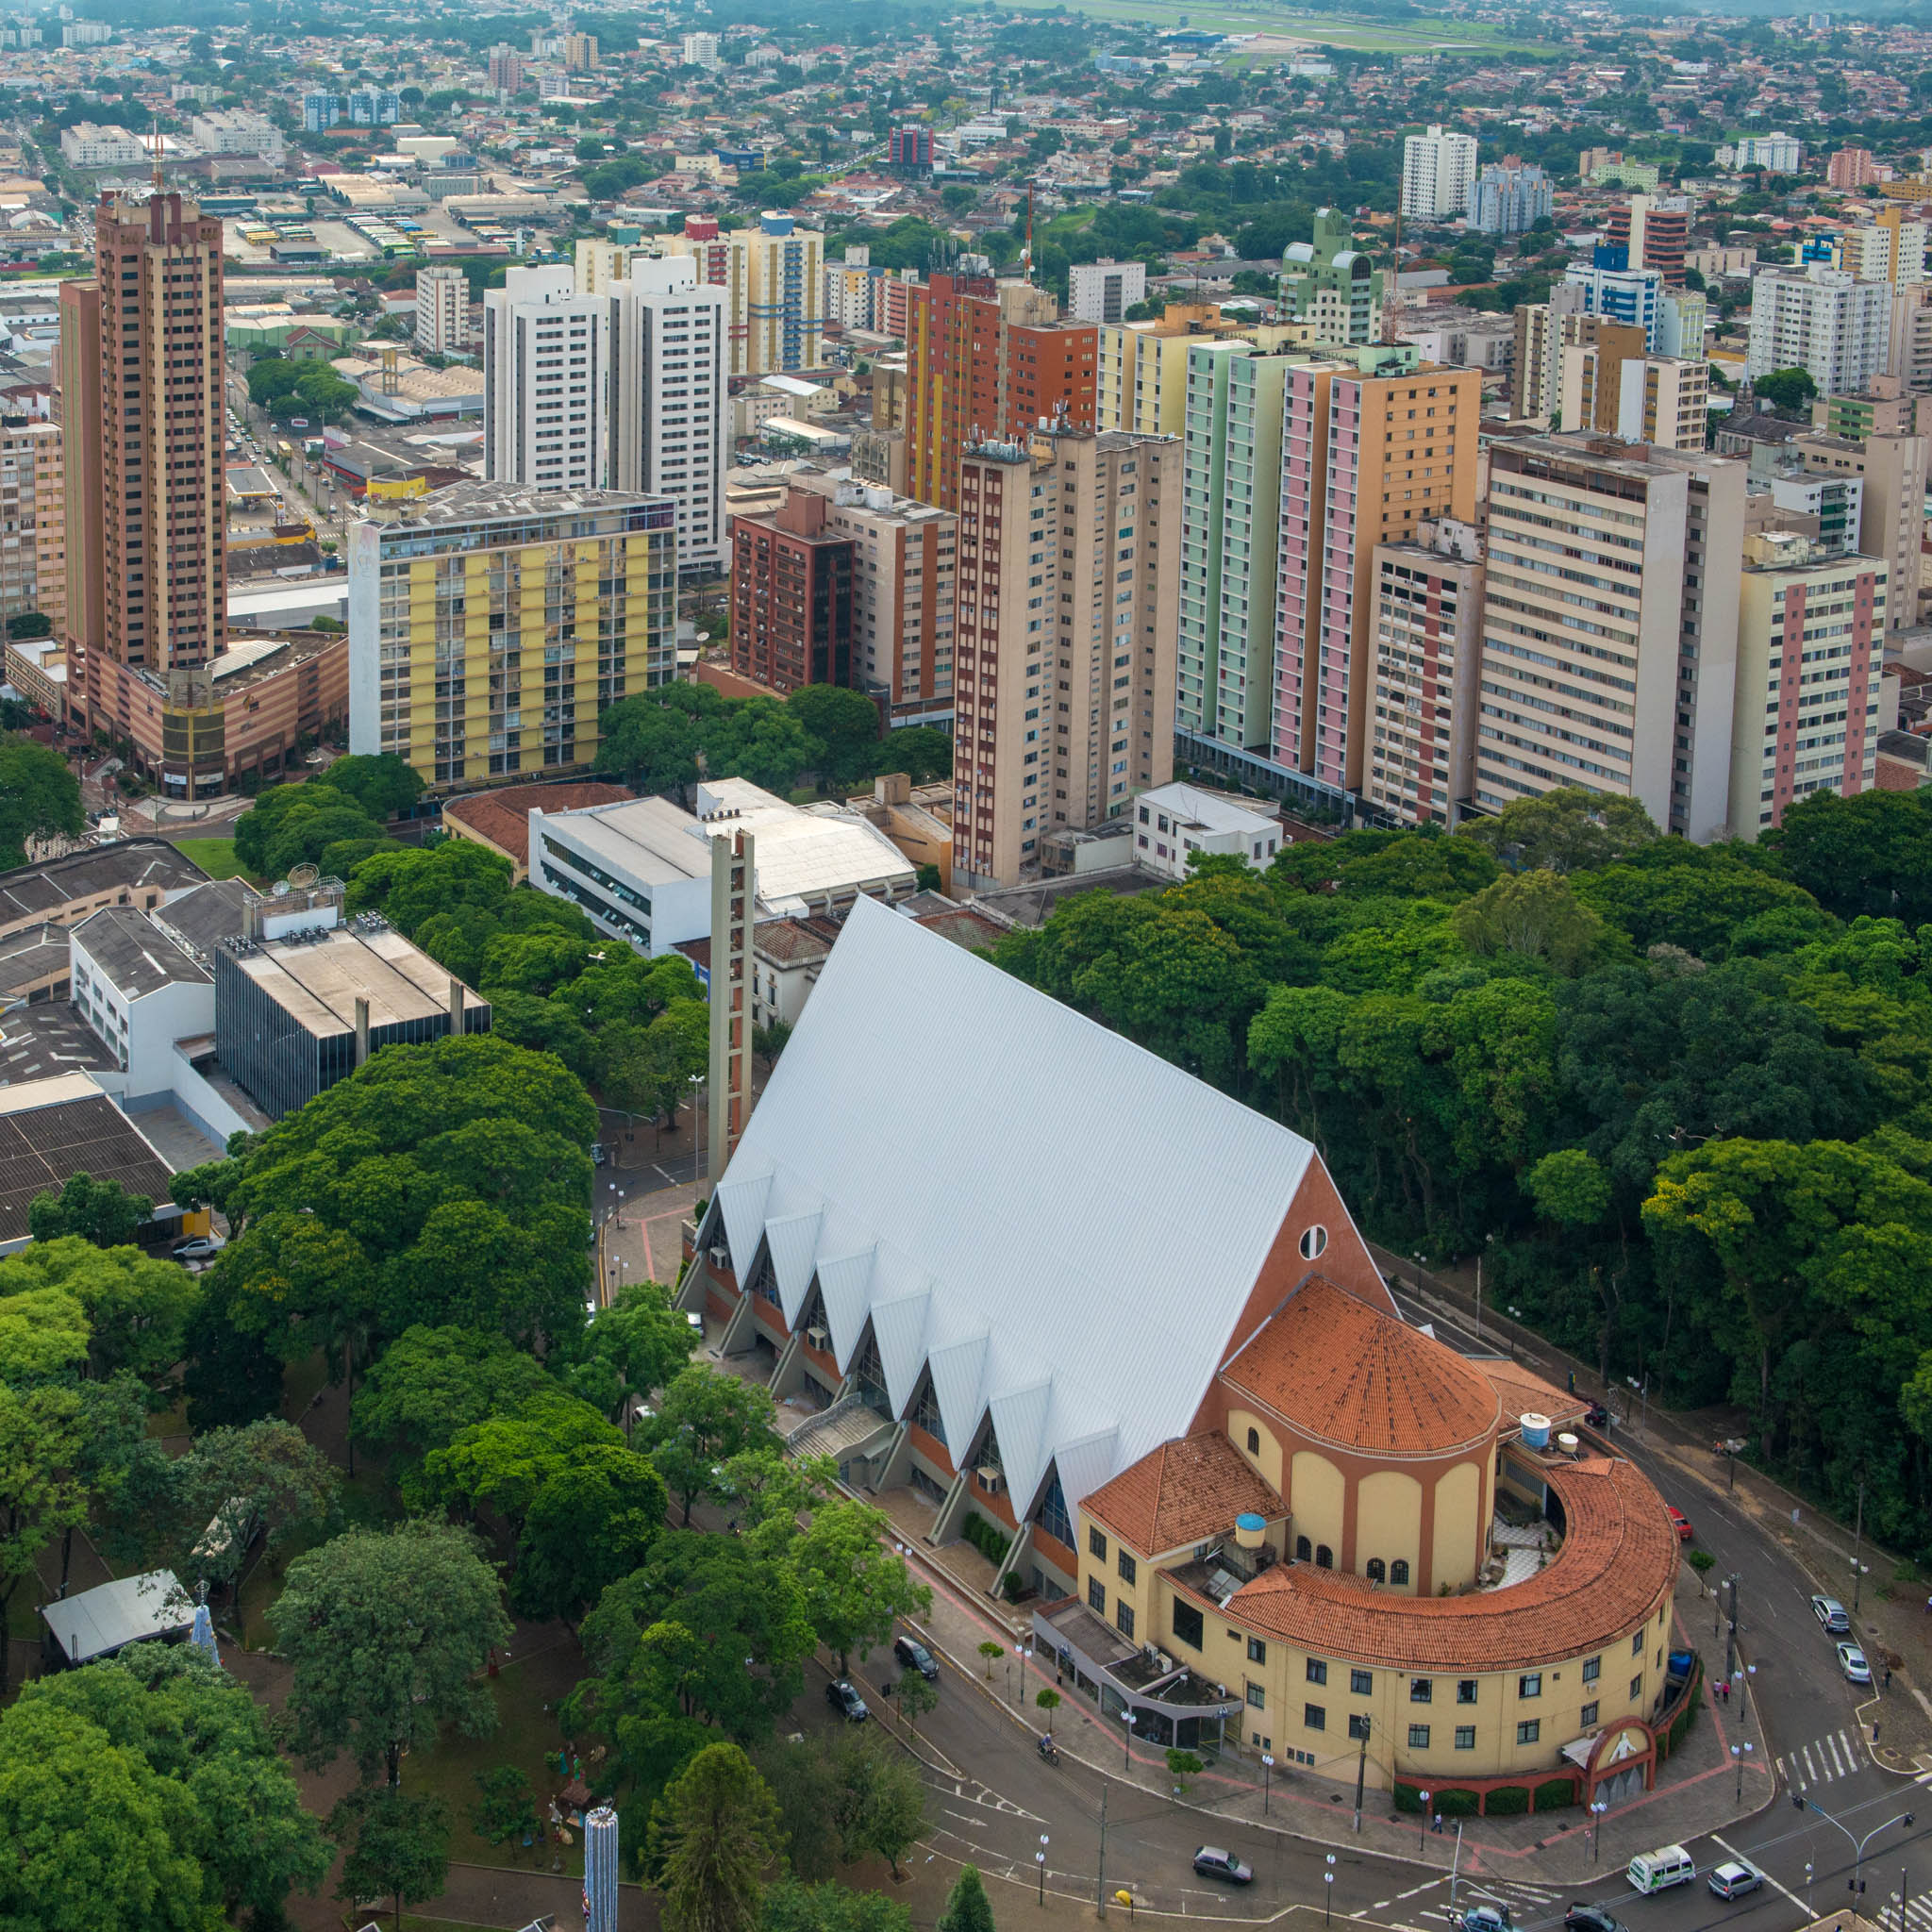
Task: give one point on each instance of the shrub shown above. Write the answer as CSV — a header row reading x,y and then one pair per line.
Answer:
x,y
1507,1800
1555,1791
987,1537
1407,1797
1454,1803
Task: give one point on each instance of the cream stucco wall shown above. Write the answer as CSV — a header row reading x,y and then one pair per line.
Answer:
x,y
1389,1526
1456,1542
1265,1457
1316,1498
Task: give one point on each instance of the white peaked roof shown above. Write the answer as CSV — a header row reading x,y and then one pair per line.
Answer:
x,y
1062,1226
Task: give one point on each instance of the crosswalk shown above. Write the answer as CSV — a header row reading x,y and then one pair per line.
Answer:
x,y
1836,1755
1526,1903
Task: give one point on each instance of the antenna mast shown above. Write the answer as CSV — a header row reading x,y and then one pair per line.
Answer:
x,y
1029,232
157,134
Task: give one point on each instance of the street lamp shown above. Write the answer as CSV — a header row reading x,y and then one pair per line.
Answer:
x,y
1739,1756
1597,1808
1022,1653
1808,1886
1328,1889
1267,1766
1642,1389
1422,1837
1128,1737
1039,1860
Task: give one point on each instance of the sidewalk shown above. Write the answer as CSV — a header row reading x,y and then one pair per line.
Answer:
x,y
1697,1791
645,1242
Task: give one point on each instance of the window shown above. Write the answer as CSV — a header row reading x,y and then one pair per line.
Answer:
x,y
1096,1544
1128,1567
1637,1644
1361,1683
1421,1689
1398,1572
1254,1441
1593,1669
1123,1619
1189,1627
1635,1686
1587,1716
1465,1737
1317,1672
1314,1718
1258,1651
1303,1549
1096,1595
1377,1571
1358,1729
1531,1684
1325,1556
1417,1737
1313,1242
1465,1689
1529,1730
1258,1696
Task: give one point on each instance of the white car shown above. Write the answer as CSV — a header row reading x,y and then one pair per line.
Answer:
x,y
1850,1660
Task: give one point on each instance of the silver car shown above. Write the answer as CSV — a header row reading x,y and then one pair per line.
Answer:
x,y
1831,1613
1850,1660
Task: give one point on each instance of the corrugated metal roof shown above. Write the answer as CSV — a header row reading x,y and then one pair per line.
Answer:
x,y
1067,1232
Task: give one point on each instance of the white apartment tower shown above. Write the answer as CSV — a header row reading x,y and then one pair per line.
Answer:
x,y
1438,174
442,311
700,50
667,430
545,381
1821,320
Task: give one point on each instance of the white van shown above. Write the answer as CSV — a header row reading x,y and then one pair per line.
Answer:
x,y
1660,1870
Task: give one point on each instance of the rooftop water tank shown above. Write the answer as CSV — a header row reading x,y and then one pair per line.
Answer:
x,y
1249,1529
1568,1444
1536,1430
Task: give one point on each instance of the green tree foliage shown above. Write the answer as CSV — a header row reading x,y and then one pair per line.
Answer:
x,y
382,784
134,1309
790,1906
1533,915
713,1836
295,824
39,797
653,741
1786,388
44,1490
504,1810
431,1384
843,727
1872,854
856,1589
396,1846
103,1212
1564,830
388,1633
640,1342
967,1907
264,1478
705,1419
146,1792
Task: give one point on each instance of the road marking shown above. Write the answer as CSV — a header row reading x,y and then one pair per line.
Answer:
x,y
1415,1891
964,1817
1768,1879
1810,1775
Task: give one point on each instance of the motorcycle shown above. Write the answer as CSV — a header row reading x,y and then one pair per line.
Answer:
x,y
1049,1750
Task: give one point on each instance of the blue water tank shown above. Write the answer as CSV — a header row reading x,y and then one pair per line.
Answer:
x,y
1536,1430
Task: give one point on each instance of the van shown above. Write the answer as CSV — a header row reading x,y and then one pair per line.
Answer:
x,y
1660,1870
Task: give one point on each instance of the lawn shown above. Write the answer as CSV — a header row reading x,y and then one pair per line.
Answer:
x,y
216,857
1257,17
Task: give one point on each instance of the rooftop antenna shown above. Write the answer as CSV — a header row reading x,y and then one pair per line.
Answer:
x,y
1028,258
157,154
1393,290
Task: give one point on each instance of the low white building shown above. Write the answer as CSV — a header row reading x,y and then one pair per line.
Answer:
x,y
641,870
1105,291
236,131
87,144
1173,822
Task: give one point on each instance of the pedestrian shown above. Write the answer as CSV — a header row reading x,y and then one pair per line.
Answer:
x,y
1887,1676
1439,1821
1875,1731
1572,1381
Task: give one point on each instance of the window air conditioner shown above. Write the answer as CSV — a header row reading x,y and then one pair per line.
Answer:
x,y
818,1337
721,1256
991,1480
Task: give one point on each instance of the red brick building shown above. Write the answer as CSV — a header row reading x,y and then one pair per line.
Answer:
x,y
791,596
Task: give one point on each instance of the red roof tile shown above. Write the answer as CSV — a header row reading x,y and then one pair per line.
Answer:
x,y
1181,1493
1618,1562
503,818
1347,1374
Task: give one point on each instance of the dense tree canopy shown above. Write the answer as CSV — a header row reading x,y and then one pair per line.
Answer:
x,y
39,797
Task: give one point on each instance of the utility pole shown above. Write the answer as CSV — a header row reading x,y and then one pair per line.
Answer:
x,y
1731,1636
1361,1772
1858,1544
1100,1883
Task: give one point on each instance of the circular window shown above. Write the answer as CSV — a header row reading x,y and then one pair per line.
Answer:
x,y
1314,1241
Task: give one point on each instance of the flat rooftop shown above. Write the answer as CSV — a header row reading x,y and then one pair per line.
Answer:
x,y
317,981
52,1130
469,503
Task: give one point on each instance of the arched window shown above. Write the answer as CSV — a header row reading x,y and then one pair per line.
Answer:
x,y
1314,1241
1377,1573
1254,1441
1325,1556
1302,1550
1398,1572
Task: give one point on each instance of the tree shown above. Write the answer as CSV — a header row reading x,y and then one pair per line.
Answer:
x,y
410,884
179,1740
387,1633
1786,388
843,727
41,1492
265,1477
505,1807
103,1212
1867,854
881,1801
1049,1701
991,1652
641,1340
589,1525
967,1908
40,798
431,1383
212,1185
382,784
394,1846
789,1907
1533,915
713,1836
1566,830
1181,1766
917,1699
856,1589
705,1419
135,1309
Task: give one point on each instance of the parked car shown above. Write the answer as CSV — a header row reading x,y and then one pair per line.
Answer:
x,y
1210,1861
598,1157
846,1701
1831,1613
1597,1416
1584,1917
915,1657
1488,1919
1733,1878
1680,1523
199,1247
1850,1660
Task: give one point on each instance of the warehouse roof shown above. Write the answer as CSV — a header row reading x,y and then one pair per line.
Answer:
x,y
54,1128
135,955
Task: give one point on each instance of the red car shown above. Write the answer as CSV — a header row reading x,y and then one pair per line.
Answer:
x,y
1680,1523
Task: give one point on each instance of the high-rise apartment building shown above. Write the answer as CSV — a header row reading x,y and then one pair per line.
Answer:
x,y
1887,248
490,625
905,582
1372,448
1823,321
579,53
1782,154
1142,367
987,359
1068,556
1438,174
1331,284
1661,400
1852,168
668,434
50,526
442,310
506,74
792,595
1650,231
1230,538
1105,291
141,410
783,280
1621,294
30,509
700,50
1894,467
1427,642
1535,370
545,382
1611,669
1510,197
1593,354
1682,322
1811,624
910,148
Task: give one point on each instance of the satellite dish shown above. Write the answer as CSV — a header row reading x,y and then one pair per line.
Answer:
x,y
302,876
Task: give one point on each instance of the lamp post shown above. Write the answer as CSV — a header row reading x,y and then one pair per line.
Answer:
x,y
1643,1390
1808,1886
1267,1766
1128,1737
1361,1772
1040,1861
1597,1808
1328,1889
1421,1837
1739,1756
1858,1541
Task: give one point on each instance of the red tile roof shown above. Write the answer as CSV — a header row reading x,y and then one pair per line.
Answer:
x,y
503,818
1618,1562
1181,1493
964,928
1524,1392
1347,1374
